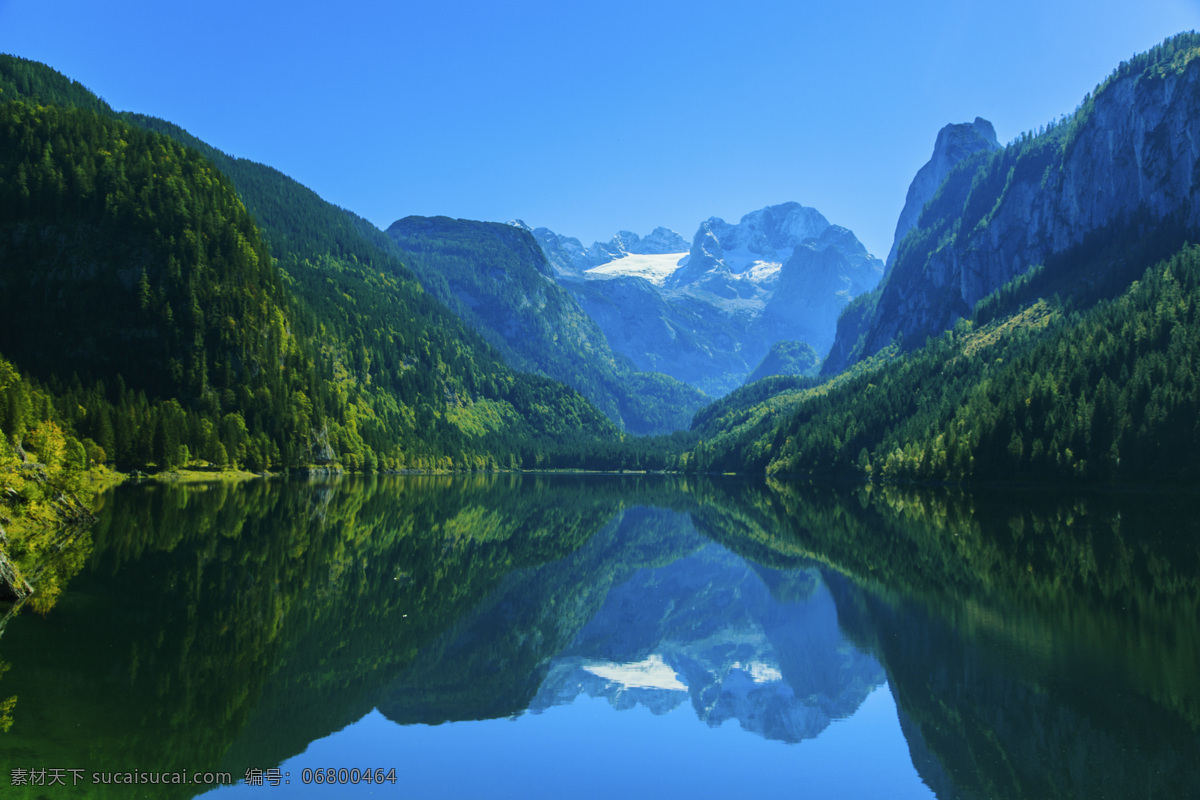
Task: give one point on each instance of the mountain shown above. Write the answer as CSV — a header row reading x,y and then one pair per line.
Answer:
x,y
1079,368
1092,198
568,256
786,358
499,281
708,315
727,260
815,284
182,304
954,144
1044,393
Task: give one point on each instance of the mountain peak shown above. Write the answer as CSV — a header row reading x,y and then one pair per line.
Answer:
x,y
955,143
968,137
767,236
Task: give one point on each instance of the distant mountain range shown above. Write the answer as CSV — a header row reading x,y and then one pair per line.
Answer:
x,y
708,314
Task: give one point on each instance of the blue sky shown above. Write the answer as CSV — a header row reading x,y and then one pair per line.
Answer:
x,y
590,118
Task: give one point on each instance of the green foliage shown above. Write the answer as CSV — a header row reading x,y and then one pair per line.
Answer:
x,y
167,331
736,433
1106,394
786,358
21,78
43,495
124,256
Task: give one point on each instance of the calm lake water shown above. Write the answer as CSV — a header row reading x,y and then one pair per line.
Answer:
x,y
589,636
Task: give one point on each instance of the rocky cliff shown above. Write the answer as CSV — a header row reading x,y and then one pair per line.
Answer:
x,y
734,260
568,257
1121,172
954,144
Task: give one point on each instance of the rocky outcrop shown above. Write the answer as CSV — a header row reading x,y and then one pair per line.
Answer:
x,y
816,284
954,144
569,258
768,236
660,241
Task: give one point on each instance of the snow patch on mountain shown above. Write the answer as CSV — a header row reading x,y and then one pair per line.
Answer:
x,y
654,268
652,673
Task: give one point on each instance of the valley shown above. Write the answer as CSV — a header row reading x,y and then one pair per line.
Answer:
x,y
232,318
283,489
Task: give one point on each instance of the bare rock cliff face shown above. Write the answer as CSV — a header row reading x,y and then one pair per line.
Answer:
x,y
1129,157
954,144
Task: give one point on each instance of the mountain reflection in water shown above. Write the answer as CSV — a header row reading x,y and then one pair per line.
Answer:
x,y
1035,645
709,630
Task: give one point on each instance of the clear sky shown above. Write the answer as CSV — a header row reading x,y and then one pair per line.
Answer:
x,y
594,117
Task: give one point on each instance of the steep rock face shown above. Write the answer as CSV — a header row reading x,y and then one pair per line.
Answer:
x,y
816,284
1125,167
569,258
661,240
563,253
954,143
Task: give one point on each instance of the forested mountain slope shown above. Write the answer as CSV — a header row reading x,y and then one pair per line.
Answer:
x,y
141,288
1060,266
498,280
1112,393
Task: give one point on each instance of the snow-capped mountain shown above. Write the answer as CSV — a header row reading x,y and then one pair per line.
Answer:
x,y
707,314
723,256
568,256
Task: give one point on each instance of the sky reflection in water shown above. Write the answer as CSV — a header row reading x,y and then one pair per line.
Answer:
x,y
589,750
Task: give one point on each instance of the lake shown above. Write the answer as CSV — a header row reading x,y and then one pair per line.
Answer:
x,y
593,636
